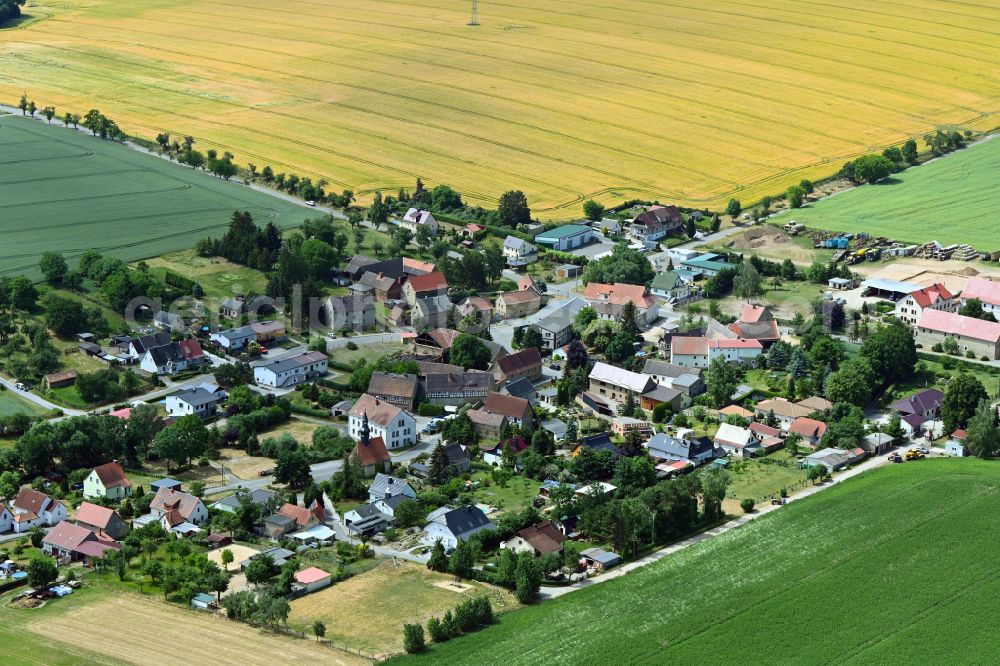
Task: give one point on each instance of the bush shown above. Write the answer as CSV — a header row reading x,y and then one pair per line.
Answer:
x,y
437,630
352,345
427,409
747,505
413,638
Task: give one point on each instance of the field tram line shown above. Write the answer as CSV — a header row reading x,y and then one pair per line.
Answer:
x,y
919,616
666,645
97,197
74,176
46,159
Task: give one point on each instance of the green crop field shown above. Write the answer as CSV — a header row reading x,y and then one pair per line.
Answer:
x,y
68,191
11,404
894,566
953,200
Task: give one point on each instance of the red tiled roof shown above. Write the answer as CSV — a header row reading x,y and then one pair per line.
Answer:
x,y
522,360
752,314
92,514
429,282
124,414
807,427
301,515
543,537
30,500
738,343
372,454
310,575
112,475
191,348
518,297
68,536
762,429
507,405
379,412
949,323
985,290
619,294
168,499
958,434
689,346
928,295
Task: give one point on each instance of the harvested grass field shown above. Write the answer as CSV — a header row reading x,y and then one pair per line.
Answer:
x,y
137,630
11,403
953,200
367,612
239,552
68,191
689,102
891,567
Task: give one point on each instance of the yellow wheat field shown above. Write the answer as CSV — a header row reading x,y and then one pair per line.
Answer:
x,y
692,101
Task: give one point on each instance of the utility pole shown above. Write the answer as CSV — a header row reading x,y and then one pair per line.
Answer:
x,y
474,18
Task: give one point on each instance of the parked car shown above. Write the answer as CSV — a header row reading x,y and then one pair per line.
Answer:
x,y
555,366
265,472
20,386
895,458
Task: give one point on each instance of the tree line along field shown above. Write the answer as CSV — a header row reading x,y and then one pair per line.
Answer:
x,y
682,101
69,191
893,566
953,199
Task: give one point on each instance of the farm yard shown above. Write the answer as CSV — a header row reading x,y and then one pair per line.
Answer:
x,y
86,193
911,542
536,97
952,200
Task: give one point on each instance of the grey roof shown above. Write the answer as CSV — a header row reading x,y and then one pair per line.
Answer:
x,y
393,501
605,557
601,442
555,426
169,318
662,393
287,363
145,342
353,302
520,388
457,454
563,317
166,353
279,519
665,446
655,366
237,304
358,262
237,333
467,520
458,381
387,485
258,496
197,397
433,305
516,243
366,511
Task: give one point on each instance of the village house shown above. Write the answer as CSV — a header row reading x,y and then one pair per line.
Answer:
x,y
424,286
258,497
493,452
234,340
232,307
708,264
396,389
698,352
540,539
395,427
656,222
173,357
379,285
60,379
608,300
520,388
676,399
311,579
67,541
526,363
107,481
955,446
616,384
178,512
197,401
567,237
669,286
456,388
268,332
137,346
984,290
169,321
517,304
600,559
917,410
519,252
557,327
756,322
596,444
430,313
449,526
831,459
623,425
436,345
353,312
517,410
288,372
101,520
292,518
32,508
667,447
934,297
980,337
6,519
416,218
475,308
810,430
685,379
385,486
783,409
487,424
737,441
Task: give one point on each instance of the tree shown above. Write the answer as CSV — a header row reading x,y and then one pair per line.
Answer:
x,y
795,196
469,351
592,210
259,570
49,112
438,560
872,168
747,505
184,439
53,267
627,320
689,228
527,578
293,468
982,436
42,572
623,265
891,352
23,104
227,558
378,212
962,396
513,210
438,470
721,381
462,559
319,630
852,383
620,347
584,318
413,638
734,208
713,491
910,151
974,308
747,283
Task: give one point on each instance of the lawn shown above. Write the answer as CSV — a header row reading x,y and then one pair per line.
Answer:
x,y
542,98
910,206
218,277
11,403
367,612
516,494
68,191
369,352
909,544
298,428
762,479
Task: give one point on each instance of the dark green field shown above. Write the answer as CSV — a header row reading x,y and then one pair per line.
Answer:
x,y
68,191
896,566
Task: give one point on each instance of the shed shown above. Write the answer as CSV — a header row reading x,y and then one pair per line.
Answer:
x,y
312,579
203,601
599,558
169,484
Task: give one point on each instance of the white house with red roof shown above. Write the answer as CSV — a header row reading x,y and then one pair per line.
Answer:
x,y
6,519
934,297
985,291
699,352
74,542
609,299
382,419
108,481
35,509
424,286
810,430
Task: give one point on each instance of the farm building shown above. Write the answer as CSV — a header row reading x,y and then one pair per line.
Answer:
x,y
980,337
312,579
599,559
567,237
60,379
